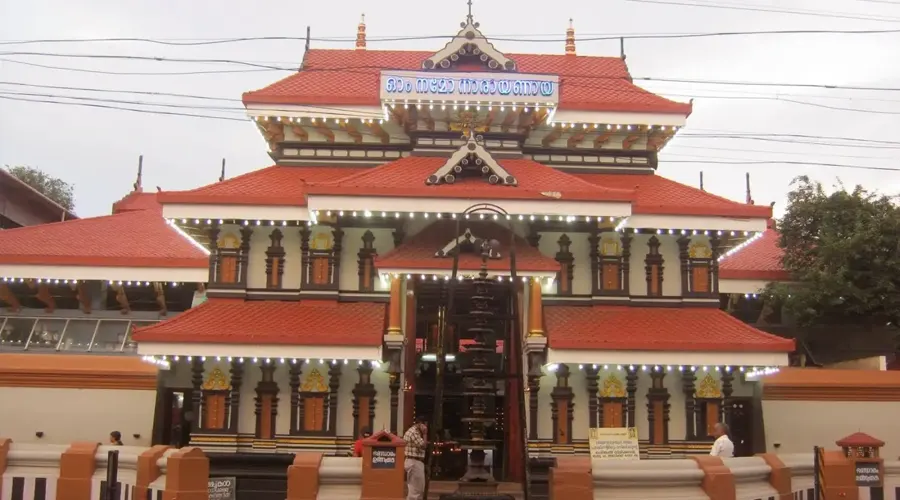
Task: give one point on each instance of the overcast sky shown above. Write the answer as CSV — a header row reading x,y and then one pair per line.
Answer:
x,y
97,149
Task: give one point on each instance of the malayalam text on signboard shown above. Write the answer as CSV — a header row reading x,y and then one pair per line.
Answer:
x,y
384,458
477,87
868,474
614,443
222,488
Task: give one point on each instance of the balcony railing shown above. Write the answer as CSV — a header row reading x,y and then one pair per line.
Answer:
x,y
81,334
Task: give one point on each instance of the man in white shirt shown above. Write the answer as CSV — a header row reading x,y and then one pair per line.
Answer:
x,y
722,447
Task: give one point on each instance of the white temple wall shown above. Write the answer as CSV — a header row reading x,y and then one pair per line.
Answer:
x,y
65,416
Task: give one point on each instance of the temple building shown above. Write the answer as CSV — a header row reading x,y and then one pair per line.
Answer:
x,y
324,289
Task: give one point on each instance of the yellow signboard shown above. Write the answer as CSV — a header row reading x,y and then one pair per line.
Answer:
x,y
614,443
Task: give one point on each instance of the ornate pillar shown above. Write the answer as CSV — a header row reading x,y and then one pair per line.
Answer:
x,y
364,399
237,378
566,266
592,374
593,253
266,402
295,370
654,266
534,387
246,233
394,371
197,391
727,390
366,261
626,239
334,383
631,389
213,235
338,234
535,310
275,260
689,379
658,408
562,407
684,261
715,246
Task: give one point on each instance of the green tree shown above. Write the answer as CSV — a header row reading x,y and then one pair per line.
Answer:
x,y
54,188
843,252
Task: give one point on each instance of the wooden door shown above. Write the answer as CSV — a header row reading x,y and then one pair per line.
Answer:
x,y
659,423
611,276
314,414
700,278
613,414
228,269
320,271
214,410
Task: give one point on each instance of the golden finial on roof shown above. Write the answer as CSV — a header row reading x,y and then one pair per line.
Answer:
x,y
570,39
361,34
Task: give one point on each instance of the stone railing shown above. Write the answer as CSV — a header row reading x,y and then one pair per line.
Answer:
x,y
57,472
704,477
647,479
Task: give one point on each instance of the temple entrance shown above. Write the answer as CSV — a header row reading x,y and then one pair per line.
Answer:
x,y
742,426
459,432
174,417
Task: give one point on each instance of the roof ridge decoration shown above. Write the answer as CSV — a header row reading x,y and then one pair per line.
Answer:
x,y
467,238
469,41
472,154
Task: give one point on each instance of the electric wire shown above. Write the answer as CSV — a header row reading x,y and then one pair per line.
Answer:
x,y
801,12
526,38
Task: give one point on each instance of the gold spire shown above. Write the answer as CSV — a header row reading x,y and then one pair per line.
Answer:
x,y
361,34
570,39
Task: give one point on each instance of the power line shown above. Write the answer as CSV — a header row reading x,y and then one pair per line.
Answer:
x,y
508,38
116,106
145,111
135,73
801,12
679,147
786,162
370,68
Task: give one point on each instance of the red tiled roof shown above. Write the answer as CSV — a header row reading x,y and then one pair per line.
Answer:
x,y
352,77
860,439
275,185
309,322
130,239
137,200
760,260
657,195
418,251
406,177
655,329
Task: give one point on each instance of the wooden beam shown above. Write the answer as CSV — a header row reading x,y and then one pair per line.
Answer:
x,y
160,290
657,139
380,132
526,120
83,294
576,137
44,296
552,136
602,138
426,117
508,121
122,298
631,139
300,132
492,115
353,132
322,127
7,296
273,132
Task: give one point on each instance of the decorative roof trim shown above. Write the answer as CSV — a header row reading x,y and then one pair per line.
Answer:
x,y
469,41
467,236
473,147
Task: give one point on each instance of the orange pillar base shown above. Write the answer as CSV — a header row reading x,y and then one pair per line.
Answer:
x,y
303,477
187,475
571,479
780,478
718,482
76,471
